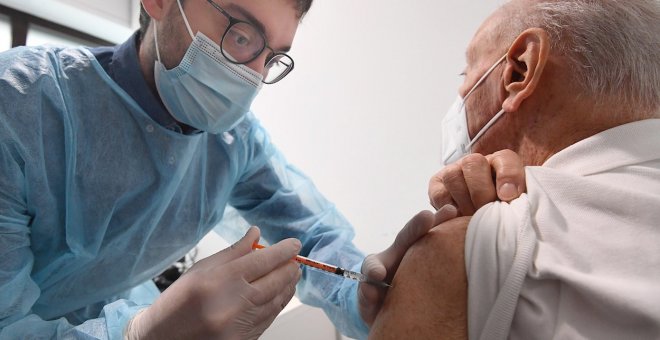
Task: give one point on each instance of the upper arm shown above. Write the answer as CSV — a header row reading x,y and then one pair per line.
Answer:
x,y
428,297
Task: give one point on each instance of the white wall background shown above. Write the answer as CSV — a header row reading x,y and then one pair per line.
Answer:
x,y
5,33
361,112
110,20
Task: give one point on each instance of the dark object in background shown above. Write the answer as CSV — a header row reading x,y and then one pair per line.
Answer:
x,y
178,268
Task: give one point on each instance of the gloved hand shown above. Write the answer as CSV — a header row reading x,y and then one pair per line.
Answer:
x,y
468,183
382,266
233,294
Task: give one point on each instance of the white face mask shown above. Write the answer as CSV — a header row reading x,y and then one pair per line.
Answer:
x,y
456,141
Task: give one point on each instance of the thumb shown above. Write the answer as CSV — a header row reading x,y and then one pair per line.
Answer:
x,y
374,268
417,227
445,214
243,246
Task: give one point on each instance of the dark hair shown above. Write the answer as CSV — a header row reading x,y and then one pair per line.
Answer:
x,y
302,6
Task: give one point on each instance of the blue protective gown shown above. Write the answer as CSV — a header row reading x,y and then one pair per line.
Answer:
x,y
96,198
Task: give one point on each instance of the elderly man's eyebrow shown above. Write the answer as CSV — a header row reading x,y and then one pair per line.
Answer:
x,y
251,19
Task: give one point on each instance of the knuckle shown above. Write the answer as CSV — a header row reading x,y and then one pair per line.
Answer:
x,y
369,262
473,161
477,170
199,289
452,174
506,159
507,153
251,296
439,196
437,177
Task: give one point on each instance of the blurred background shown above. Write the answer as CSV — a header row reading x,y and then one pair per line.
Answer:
x,y
360,114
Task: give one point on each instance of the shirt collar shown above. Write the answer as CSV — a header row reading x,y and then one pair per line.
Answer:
x,y
627,144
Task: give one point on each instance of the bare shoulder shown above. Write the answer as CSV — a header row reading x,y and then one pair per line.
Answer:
x,y
429,288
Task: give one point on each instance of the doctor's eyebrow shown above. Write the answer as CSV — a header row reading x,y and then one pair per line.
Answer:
x,y
251,19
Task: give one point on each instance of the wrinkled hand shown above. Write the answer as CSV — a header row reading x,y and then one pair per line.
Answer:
x,y
233,294
468,183
382,266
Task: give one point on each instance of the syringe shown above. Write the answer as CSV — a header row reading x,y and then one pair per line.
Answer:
x,y
333,269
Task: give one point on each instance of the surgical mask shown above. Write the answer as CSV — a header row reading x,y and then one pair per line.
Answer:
x,y
206,91
456,141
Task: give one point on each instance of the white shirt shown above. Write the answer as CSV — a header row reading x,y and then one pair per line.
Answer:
x,y
578,256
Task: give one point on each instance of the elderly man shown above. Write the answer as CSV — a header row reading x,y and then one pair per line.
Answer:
x,y
573,87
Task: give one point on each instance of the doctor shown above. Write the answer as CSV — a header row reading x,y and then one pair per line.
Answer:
x,y
117,161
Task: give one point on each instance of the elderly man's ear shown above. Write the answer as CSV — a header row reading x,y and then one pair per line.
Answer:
x,y
525,62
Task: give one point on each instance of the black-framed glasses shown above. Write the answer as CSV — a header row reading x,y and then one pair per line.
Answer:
x,y
242,43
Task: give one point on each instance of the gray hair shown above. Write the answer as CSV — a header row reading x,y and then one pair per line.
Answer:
x,y
612,45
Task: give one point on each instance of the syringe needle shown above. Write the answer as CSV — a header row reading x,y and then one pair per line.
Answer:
x,y
334,269
361,278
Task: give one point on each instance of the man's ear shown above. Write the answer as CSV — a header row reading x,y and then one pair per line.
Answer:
x,y
155,8
524,66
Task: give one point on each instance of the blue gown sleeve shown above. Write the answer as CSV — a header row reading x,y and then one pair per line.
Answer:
x,y
283,202
18,291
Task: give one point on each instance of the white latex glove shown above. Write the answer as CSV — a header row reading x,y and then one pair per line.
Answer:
x,y
382,266
233,294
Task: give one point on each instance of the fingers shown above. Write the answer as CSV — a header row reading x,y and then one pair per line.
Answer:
x,y
276,285
469,185
374,268
370,299
445,213
454,181
438,193
417,227
264,261
382,266
479,181
280,301
268,297
509,172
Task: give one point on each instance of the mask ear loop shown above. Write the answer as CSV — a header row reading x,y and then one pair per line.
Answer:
x,y
156,41
185,19
483,78
497,116
485,128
